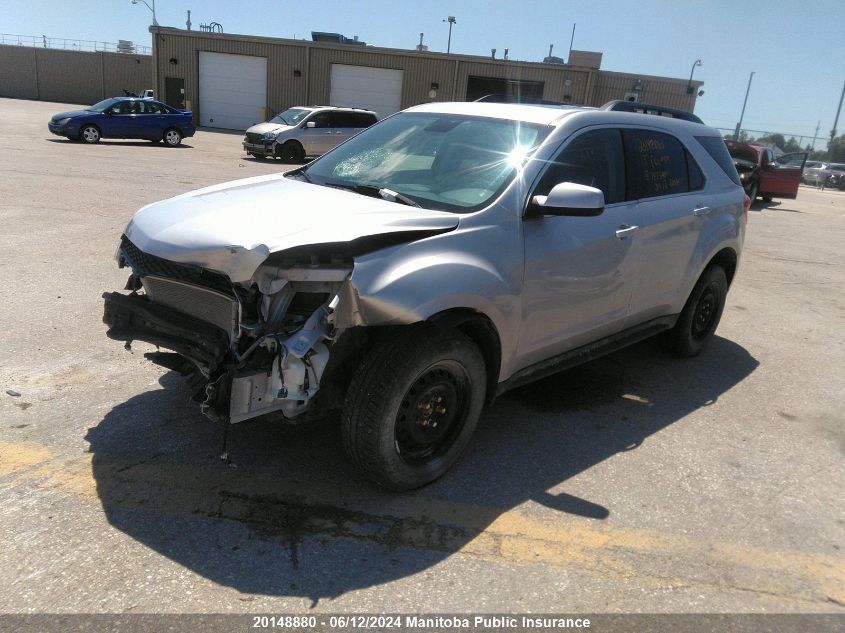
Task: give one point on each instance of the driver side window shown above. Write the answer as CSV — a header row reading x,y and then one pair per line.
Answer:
x,y
595,159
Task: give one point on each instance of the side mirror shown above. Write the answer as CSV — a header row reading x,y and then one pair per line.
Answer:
x,y
568,199
772,165
310,124
109,112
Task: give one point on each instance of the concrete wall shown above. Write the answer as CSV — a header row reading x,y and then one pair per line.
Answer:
x,y
70,76
176,54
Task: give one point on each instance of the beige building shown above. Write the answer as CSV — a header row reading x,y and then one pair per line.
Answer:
x,y
231,81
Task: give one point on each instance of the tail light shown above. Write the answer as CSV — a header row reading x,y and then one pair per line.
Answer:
x,y
746,204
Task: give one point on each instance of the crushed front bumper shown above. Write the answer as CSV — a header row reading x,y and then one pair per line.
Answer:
x,y
262,149
135,318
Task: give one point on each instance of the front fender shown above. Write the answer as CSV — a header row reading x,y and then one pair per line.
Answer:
x,y
411,283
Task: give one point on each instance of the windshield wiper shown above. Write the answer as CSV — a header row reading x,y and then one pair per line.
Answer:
x,y
374,191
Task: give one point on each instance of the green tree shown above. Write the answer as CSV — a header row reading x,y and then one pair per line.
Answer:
x,y
836,150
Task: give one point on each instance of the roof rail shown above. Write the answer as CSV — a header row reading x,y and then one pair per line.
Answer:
x,y
648,108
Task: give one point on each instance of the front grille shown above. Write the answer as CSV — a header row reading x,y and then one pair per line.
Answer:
x,y
202,303
252,137
145,264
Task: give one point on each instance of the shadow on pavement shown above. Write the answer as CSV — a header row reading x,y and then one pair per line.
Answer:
x,y
293,519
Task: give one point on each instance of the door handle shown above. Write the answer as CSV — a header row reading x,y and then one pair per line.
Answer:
x,y
624,231
700,212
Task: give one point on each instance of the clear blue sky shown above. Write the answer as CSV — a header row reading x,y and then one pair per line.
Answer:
x,y
796,49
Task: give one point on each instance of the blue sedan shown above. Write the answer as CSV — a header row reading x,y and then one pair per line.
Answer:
x,y
125,117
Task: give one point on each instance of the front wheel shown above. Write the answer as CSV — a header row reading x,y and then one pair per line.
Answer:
x,y
90,134
701,314
291,152
412,407
172,137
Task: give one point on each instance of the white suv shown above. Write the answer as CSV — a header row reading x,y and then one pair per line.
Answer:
x,y
305,131
449,253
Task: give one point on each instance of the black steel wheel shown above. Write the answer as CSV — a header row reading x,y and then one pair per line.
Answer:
x,y
700,317
291,152
412,407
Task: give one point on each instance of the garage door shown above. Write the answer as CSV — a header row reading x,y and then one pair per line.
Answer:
x,y
232,90
376,89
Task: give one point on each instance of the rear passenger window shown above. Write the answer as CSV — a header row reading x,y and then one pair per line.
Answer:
x,y
364,120
657,164
341,119
594,159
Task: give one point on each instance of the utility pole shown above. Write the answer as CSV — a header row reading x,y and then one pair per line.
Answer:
x,y
741,116
571,40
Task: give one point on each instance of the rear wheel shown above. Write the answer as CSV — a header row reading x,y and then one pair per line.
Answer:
x,y
258,156
412,407
291,152
172,137
89,134
767,198
701,314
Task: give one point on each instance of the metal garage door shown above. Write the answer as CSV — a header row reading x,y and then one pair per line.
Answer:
x,y
376,89
232,90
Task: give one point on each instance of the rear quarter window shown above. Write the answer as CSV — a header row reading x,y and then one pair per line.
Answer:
x,y
715,146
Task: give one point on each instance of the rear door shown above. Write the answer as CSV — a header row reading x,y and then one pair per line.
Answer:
x,y
671,213
780,179
151,120
343,126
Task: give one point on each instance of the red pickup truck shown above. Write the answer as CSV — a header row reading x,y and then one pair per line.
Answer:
x,y
764,175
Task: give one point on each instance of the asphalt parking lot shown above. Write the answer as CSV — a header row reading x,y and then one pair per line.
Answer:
x,y
637,483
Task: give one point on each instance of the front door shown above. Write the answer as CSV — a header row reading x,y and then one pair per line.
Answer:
x,y
781,178
578,270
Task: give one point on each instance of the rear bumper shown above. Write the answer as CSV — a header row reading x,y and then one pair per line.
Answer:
x,y
135,318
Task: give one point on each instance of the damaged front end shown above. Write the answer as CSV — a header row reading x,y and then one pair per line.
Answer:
x,y
249,348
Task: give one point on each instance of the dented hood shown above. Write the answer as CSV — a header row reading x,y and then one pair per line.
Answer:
x,y
233,227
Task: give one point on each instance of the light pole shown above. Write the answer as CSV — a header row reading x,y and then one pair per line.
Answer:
x,y
835,123
690,89
151,8
451,21
747,90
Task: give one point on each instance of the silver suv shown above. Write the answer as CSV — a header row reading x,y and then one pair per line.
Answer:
x,y
305,131
447,254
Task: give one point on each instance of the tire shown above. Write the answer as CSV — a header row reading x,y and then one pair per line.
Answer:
x,y
172,137
752,193
701,314
291,152
258,156
89,134
405,387
767,198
